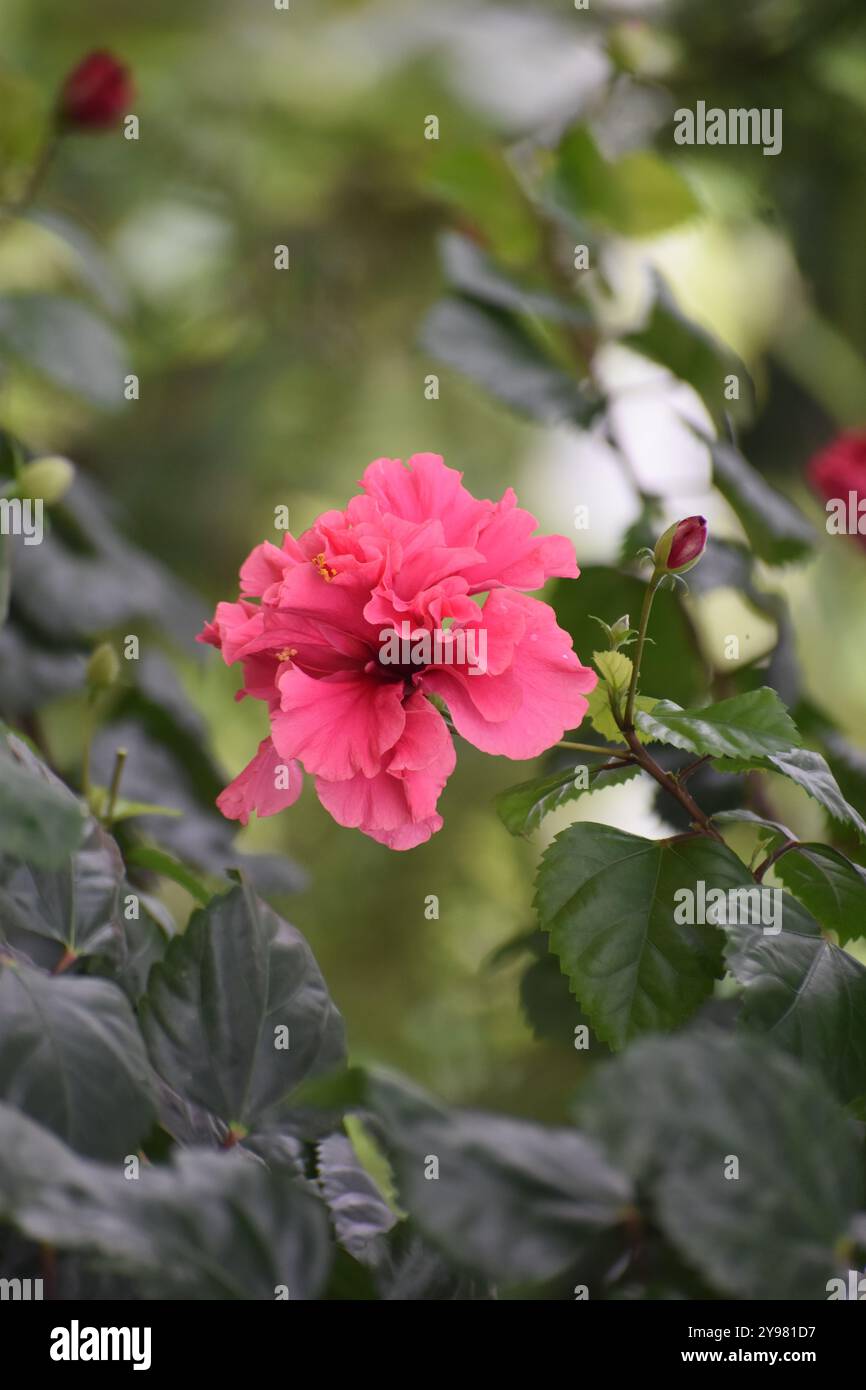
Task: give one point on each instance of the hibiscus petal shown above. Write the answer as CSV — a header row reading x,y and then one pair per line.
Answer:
x,y
266,785
338,725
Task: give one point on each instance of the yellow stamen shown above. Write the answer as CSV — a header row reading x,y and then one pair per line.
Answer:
x,y
326,571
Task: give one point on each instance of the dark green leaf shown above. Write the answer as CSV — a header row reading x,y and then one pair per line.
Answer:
x,y
673,1112
514,1201
638,195
806,992
40,820
523,807
493,349
472,273
608,901
209,1226
830,885
71,1056
238,1015
777,530
750,725
810,771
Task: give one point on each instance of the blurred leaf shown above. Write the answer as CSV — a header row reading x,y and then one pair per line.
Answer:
x,y
638,195
40,820
807,993
515,1201
358,1210
207,1226
5,576
688,351
749,725
473,274
672,1112
71,1057
777,530
481,185
237,1015
66,342
607,900
493,349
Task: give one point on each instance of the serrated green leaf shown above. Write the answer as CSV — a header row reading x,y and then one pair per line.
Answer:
x,y
607,900
523,807
751,725
810,771
673,1112
808,994
829,885
71,1057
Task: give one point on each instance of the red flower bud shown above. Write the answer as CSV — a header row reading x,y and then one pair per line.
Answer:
x,y
838,474
682,545
95,94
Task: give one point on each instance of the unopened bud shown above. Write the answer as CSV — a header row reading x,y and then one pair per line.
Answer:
x,y
103,668
48,479
681,546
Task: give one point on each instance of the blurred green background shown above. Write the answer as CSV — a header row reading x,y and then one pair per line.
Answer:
x,y
258,388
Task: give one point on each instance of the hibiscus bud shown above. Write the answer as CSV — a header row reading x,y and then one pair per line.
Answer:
x,y
103,668
95,94
47,479
681,546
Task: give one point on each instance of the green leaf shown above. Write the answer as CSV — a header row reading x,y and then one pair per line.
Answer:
x,y
66,343
523,807
207,1226
750,725
164,864
473,274
515,1201
607,900
671,662
777,530
480,183
829,885
673,1112
806,992
40,820
360,1214
810,771
237,1015
71,1056
492,348
638,195
688,351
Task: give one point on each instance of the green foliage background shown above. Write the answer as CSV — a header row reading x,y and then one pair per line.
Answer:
x,y
306,129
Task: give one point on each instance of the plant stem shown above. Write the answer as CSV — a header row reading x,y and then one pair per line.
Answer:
x,y
670,784
655,579
119,761
594,748
771,858
37,174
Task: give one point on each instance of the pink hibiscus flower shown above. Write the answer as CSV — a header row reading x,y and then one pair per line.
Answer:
x,y
357,634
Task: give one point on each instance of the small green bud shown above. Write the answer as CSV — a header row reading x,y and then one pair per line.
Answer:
x,y
103,668
48,479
